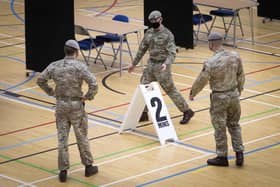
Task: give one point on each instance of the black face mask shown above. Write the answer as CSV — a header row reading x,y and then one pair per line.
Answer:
x,y
155,25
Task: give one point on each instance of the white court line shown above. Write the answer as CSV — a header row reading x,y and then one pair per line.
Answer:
x,y
112,10
16,180
1,34
125,8
249,90
159,169
258,44
243,124
25,89
106,14
253,91
159,147
188,148
102,163
12,44
15,2
179,163
266,35
263,103
24,103
262,138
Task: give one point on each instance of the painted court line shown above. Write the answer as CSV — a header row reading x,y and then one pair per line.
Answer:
x,y
203,166
183,162
16,180
105,162
245,123
158,147
263,103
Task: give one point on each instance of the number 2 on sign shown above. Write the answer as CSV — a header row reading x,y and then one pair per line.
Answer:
x,y
161,120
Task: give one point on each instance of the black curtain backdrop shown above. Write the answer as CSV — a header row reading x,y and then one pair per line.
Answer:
x,y
177,17
48,24
268,9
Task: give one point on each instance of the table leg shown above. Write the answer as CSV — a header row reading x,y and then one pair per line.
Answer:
x,y
234,28
121,44
252,25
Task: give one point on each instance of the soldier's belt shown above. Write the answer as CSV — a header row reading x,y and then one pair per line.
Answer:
x,y
157,61
224,91
66,98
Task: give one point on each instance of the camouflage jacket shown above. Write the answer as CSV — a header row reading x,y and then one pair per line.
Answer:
x,y
161,46
224,71
68,75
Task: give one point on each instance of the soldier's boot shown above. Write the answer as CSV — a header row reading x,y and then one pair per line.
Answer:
x,y
63,175
90,170
187,116
239,158
144,117
218,161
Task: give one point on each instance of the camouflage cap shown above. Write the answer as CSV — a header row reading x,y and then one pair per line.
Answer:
x,y
154,14
215,36
72,43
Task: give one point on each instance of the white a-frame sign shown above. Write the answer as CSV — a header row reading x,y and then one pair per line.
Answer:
x,y
150,96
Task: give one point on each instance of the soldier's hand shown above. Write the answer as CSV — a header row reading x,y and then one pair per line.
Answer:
x,y
191,98
131,68
163,67
83,98
51,92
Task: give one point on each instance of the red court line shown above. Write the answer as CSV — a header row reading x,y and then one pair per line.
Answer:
x,y
19,130
111,6
262,70
116,106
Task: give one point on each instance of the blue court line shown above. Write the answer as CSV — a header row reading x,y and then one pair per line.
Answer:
x,y
177,142
274,41
114,125
111,113
88,107
14,12
203,166
35,140
264,63
13,58
3,148
263,82
23,82
195,147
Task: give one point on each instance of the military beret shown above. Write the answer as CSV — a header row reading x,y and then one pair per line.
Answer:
x,y
215,36
154,14
72,43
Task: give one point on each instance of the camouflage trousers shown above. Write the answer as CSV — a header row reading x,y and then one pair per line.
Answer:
x,y
153,73
72,113
225,113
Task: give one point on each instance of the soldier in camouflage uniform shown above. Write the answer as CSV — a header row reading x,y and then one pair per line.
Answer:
x,y
161,45
68,75
225,74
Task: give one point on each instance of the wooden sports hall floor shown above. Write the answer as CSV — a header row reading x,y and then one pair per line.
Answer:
x,y
28,143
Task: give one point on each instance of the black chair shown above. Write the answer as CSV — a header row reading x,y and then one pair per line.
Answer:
x,y
114,38
88,44
198,19
225,13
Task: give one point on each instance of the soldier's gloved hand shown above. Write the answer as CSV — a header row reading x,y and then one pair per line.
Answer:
x,y
131,68
89,97
191,98
163,67
50,92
